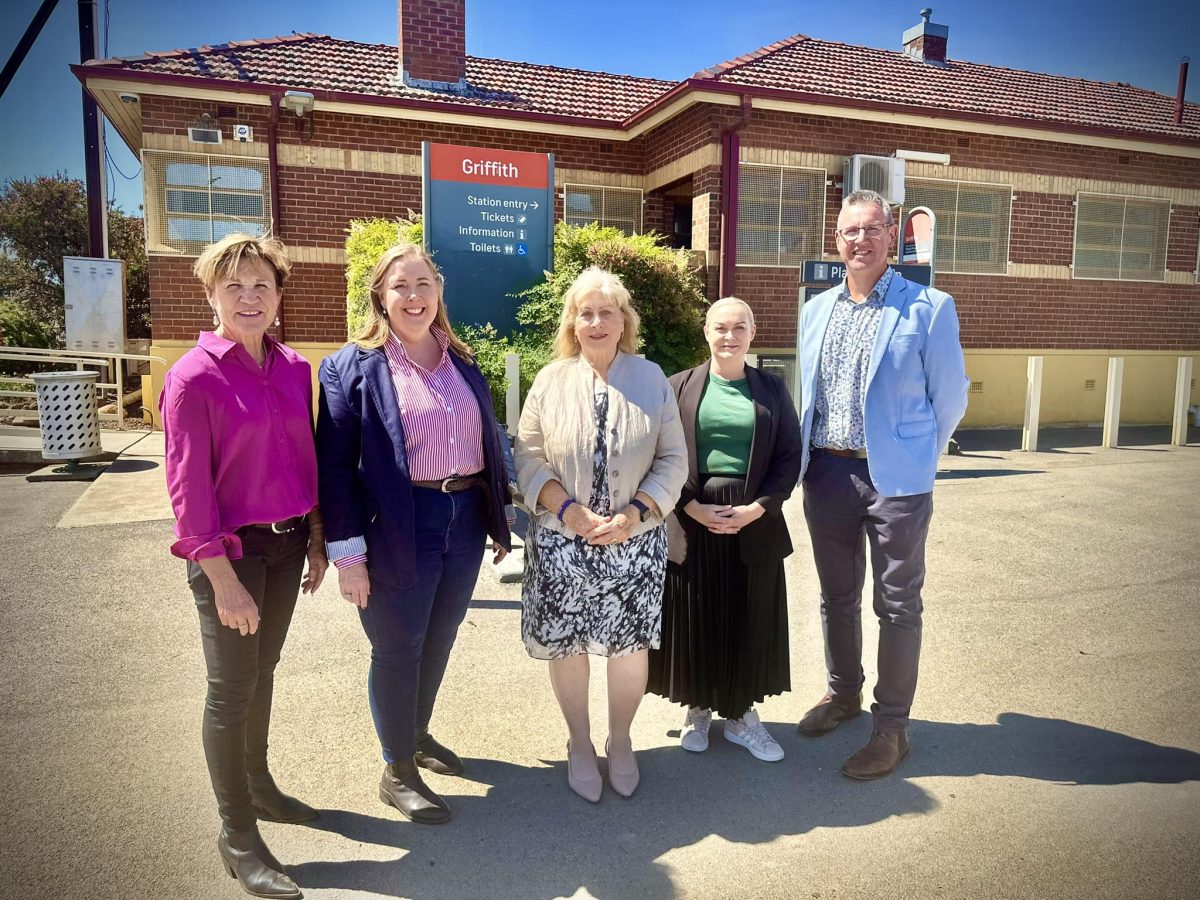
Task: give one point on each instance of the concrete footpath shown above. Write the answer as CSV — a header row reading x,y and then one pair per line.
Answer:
x,y
1056,735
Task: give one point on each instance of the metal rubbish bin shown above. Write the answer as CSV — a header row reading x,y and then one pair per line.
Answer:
x,y
69,418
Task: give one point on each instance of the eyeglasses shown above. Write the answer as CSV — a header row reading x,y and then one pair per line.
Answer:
x,y
870,232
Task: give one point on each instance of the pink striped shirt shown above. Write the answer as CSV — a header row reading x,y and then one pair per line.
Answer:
x,y
443,428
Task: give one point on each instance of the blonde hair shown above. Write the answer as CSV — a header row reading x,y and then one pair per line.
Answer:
x,y
374,331
595,280
728,301
222,259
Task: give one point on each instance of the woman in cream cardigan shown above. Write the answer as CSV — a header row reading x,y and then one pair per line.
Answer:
x,y
600,458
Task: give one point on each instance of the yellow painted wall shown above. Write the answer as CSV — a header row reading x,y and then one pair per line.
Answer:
x,y
1148,389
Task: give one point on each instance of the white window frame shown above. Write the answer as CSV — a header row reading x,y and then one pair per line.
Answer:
x,y
604,189
778,264
1120,251
158,242
960,182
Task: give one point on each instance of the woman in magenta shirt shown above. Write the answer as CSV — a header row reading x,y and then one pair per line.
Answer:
x,y
242,476
413,481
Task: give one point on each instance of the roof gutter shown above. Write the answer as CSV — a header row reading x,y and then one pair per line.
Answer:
x,y
731,152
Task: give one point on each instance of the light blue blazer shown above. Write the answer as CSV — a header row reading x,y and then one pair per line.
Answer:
x,y
916,384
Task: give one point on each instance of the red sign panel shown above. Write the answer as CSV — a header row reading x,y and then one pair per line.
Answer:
x,y
480,165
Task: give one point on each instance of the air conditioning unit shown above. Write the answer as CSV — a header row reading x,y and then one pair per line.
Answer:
x,y
882,174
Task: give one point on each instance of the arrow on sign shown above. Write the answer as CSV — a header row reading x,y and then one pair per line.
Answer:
x,y
533,203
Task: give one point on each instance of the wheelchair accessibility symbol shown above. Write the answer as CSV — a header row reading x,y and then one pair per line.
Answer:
x,y
522,249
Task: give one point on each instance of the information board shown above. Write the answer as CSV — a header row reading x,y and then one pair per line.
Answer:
x,y
489,222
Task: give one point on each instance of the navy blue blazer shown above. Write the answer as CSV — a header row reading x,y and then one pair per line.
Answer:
x,y
362,465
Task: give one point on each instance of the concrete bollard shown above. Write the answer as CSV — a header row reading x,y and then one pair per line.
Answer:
x,y
1112,402
1183,391
1033,404
512,396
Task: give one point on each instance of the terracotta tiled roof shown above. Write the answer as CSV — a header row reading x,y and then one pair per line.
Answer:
x,y
844,71
318,62
824,71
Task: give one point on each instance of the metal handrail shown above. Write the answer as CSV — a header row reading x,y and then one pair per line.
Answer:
x,y
75,360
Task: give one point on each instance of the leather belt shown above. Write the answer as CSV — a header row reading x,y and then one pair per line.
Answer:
x,y
848,454
282,527
453,484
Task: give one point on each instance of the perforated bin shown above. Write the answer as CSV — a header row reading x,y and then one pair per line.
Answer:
x,y
68,412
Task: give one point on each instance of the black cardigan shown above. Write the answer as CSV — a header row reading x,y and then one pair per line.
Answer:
x,y
775,454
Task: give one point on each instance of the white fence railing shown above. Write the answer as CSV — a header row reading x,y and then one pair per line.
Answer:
x,y
107,391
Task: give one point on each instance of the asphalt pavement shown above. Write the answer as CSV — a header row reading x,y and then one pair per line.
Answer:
x,y
1056,747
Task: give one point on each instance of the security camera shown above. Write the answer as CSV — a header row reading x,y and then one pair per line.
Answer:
x,y
127,97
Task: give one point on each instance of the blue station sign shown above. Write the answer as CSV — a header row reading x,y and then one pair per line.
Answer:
x,y
489,222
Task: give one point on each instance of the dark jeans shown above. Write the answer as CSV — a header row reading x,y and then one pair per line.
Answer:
x,y
412,629
241,668
842,506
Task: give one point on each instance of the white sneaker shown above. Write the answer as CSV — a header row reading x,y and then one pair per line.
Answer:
x,y
752,734
695,730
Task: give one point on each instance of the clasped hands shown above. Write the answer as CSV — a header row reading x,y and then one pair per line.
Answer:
x,y
597,530
722,518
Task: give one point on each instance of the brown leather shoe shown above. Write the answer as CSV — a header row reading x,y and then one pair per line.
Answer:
x,y
879,758
831,712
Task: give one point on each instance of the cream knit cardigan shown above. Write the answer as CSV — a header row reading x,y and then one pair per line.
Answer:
x,y
557,437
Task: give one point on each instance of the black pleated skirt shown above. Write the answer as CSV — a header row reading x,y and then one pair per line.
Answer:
x,y
724,624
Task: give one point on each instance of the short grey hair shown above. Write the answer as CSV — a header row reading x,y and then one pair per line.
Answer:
x,y
728,301
869,198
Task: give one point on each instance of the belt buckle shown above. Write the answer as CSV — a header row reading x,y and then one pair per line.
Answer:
x,y
445,489
275,529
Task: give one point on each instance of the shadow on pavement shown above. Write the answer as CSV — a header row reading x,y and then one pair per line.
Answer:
x,y
1052,439
960,474
531,837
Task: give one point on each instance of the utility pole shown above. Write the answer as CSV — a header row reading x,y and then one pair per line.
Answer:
x,y
93,141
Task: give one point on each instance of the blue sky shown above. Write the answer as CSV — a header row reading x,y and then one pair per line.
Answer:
x,y
40,114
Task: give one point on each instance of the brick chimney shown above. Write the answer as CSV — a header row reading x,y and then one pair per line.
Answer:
x,y
433,44
927,41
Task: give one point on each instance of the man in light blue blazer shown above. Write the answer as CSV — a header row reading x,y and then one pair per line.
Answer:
x,y
883,386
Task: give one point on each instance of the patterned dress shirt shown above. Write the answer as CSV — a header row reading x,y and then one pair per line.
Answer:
x,y
845,358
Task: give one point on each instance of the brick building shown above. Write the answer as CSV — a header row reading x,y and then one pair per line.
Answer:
x,y
1068,210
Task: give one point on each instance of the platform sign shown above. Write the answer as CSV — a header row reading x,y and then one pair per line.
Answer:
x,y
489,221
818,271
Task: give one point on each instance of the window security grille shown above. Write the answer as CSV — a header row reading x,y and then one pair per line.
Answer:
x,y
619,208
781,213
973,222
1121,238
194,199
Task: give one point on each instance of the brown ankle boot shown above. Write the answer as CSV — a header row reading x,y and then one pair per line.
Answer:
x,y
401,786
879,758
831,712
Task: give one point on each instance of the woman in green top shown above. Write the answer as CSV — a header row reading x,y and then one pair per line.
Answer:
x,y
724,627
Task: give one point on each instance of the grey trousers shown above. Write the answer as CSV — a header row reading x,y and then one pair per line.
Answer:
x,y
842,507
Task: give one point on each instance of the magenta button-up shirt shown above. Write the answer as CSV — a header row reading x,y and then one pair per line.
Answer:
x,y
239,443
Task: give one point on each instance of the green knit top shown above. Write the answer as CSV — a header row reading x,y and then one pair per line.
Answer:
x,y
724,427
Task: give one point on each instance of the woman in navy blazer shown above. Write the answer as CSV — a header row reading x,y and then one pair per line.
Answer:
x,y
412,480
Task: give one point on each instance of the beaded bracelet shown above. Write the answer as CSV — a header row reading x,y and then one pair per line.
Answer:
x,y
562,509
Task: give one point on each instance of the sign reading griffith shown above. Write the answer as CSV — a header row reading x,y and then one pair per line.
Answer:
x,y
489,222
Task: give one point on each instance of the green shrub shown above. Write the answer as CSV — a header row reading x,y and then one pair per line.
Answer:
x,y
367,241
667,293
22,327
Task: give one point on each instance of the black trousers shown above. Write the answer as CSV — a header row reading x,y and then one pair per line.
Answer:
x,y
241,668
